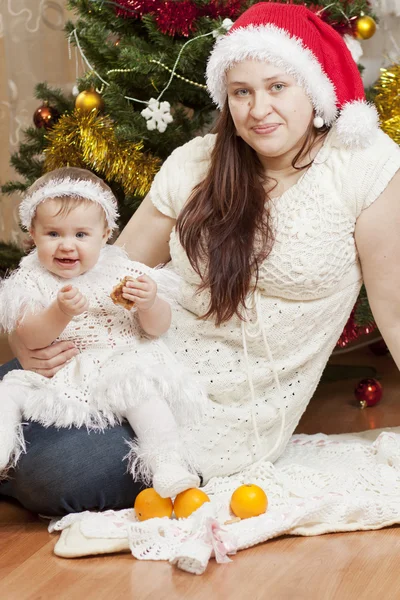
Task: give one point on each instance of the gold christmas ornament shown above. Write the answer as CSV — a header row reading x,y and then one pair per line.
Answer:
x,y
365,27
387,101
89,100
87,140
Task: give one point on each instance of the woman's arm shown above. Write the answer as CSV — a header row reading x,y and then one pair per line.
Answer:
x,y
146,236
377,236
45,361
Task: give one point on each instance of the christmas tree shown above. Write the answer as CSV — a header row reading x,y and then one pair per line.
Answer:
x,y
144,93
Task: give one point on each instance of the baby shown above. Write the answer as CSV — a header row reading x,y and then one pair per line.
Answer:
x,y
66,289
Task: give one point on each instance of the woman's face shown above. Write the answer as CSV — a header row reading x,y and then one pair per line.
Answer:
x,y
271,112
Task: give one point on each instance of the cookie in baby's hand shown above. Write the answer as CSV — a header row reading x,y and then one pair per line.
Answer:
x,y
117,297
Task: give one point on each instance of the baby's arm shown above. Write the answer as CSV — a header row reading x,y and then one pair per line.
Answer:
x,y
154,313
41,329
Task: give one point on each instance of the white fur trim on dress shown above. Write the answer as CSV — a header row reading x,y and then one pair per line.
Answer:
x,y
357,124
19,447
274,45
12,443
107,405
18,298
61,187
172,382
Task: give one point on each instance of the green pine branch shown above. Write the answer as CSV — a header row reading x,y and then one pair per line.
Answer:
x,y
54,96
363,314
14,186
10,255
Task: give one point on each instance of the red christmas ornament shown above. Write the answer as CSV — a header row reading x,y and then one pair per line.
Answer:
x,y
368,392
45,116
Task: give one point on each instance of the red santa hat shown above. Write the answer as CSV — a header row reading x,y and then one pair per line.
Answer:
x,y
298,41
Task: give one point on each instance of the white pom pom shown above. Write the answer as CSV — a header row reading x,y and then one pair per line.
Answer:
x,y
358,124
318,122
354,46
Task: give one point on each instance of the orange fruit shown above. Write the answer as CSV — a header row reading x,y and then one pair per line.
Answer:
x,y
249,500
149,504
188,501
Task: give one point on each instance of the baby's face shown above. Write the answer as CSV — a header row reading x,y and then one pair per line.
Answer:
x,y
68,245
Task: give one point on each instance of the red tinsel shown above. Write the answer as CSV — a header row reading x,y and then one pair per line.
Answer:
x,y
178,17
224,9
352,331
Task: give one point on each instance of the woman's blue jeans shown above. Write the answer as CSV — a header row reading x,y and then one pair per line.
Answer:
x,y
71,470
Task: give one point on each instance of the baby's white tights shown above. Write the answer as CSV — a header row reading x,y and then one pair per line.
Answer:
x,y
160,448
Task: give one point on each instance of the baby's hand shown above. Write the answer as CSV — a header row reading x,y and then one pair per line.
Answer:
x,y
71,301
142,291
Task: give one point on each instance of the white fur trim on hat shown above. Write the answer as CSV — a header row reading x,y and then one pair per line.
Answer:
x,y
61,187
274,45
357,124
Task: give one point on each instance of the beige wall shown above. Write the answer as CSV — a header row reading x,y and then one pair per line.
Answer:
x,y
33,48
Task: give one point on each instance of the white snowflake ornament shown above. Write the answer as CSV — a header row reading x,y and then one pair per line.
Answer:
x,y
157,114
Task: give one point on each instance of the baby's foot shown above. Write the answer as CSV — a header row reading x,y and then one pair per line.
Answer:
x,y
169,480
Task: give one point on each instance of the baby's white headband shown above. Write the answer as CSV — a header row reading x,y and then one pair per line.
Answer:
x,y
66,186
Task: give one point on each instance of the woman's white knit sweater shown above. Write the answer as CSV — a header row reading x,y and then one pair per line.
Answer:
x,y
262,374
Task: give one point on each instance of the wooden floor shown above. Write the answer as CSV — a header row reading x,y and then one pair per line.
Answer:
x,y
351,566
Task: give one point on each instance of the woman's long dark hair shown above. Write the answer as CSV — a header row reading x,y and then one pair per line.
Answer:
x,y
225,227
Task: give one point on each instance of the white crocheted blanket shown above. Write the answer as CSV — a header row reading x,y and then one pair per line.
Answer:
x,y
321,484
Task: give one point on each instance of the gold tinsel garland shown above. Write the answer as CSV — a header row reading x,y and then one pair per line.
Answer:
x,y
88,141
387,101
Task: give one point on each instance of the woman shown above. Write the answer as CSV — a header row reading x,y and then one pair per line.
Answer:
x,y
272,222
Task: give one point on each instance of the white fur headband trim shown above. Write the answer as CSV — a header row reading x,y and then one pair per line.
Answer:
x,y
58,188
274,45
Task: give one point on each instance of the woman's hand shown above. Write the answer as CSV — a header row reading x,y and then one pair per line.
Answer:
x,y
142,291
71,301
44,361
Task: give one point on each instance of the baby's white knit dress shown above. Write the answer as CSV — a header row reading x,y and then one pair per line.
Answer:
x,y
118,365
261,373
